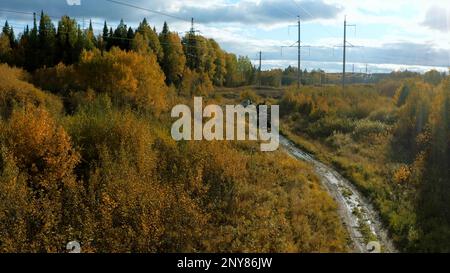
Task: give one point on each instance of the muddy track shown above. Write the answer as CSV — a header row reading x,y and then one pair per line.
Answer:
x,y
357,214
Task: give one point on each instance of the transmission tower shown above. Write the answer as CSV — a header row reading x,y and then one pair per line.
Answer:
x,y
345,50
299,46
191,45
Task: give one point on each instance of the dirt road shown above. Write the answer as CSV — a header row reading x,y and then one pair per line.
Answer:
x,y
358,215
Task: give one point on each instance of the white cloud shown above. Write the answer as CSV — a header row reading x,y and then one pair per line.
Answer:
x,y
438,18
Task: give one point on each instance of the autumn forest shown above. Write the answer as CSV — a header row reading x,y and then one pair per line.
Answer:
x,y
86,152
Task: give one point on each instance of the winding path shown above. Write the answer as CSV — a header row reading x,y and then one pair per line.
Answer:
x,y
354,210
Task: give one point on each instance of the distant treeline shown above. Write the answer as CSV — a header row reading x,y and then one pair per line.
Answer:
x,y
288,76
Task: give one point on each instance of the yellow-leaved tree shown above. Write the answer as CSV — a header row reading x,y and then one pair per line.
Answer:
x,y
128,77
41,198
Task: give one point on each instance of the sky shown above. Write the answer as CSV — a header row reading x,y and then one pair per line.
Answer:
x,y
389,35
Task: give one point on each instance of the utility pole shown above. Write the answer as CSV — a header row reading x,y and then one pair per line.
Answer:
x,y
345,43
345,50
299,54
259,69
366,76
299,49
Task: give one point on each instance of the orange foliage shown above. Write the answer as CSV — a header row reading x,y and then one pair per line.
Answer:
x,y
40,147
15,91
128,77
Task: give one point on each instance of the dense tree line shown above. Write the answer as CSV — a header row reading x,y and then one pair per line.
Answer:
x,y
202,59
421,142
289,76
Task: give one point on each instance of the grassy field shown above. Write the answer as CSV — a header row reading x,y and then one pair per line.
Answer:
x,y
383,137
385,142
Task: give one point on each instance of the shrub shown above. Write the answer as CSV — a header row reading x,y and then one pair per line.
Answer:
x,y
366,128
388,87
15,91
38,185
195,84
41,147
60,79
327,126
339,140
248,94
384,115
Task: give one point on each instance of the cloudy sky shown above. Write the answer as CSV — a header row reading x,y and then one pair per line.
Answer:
x,y
389,35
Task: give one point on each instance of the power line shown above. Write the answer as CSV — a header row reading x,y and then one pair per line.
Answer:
x,y
286,12
301,7
18,12
310,15
299,45
94,22
148,10
167,14
132,6
52,17
157,12
14,25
